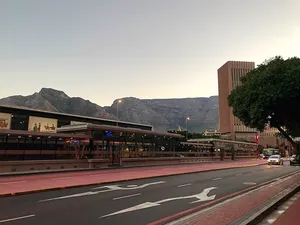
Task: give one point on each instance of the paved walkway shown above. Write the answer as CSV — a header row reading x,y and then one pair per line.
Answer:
x,y
291,214
34,183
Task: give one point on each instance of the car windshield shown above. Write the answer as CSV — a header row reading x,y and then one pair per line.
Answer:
x,y
274,157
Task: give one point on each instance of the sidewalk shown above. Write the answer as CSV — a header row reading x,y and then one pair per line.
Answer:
x,y
43,182
291,215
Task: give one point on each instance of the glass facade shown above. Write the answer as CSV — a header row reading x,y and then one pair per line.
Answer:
x,y
14,147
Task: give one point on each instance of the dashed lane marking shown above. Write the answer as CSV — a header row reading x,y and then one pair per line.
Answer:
x,y
127,196
183,185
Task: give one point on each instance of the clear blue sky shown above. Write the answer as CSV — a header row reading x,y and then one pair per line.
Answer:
x,y
106,49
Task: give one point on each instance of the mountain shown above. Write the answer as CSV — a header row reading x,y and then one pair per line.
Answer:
x,y
57,101
163,114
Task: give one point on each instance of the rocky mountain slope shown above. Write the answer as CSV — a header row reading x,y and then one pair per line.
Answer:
x,y
163,114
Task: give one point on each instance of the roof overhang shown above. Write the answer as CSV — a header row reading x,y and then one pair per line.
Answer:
x,y
42,134
196,144
72,116
97,127
220,140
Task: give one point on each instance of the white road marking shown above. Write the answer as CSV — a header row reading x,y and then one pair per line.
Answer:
x,y
218,178
127,196
15,182
134,208
109,189
116,187
239,174
201,197
132,185
17,218
183,185
61,178
75,195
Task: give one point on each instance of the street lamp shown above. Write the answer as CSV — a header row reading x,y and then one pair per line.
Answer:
x,y
186,127
118,102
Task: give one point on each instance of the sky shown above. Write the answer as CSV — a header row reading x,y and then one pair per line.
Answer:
x,y
102,50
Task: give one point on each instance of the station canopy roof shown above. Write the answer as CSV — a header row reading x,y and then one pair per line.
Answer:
x,y
57,115
97,127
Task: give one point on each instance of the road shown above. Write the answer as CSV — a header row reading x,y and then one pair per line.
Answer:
x,y
134,202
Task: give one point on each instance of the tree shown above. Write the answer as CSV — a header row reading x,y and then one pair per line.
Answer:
x,y
260,149
270,94
232,152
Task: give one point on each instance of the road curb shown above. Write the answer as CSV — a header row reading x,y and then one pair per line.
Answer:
x,y
96,169
270,207
188,212
116,181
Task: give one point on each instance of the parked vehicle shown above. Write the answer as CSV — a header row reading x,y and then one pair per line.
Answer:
x,y
295,160
275,159
266,156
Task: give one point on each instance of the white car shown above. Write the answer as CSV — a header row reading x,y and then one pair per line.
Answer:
x,y
275,159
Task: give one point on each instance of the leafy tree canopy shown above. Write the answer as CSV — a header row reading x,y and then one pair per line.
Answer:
x,y
270,93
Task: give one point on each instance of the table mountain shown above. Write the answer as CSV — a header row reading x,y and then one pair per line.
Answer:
x,y
163,114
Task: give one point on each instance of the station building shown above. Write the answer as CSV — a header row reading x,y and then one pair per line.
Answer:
x,y
37,134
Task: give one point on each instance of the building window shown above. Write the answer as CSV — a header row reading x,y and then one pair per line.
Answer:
x,y
19,122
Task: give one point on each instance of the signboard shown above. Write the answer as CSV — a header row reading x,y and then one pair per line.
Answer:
x,y
5,120
40,124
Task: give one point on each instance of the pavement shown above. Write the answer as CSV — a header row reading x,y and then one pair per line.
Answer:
x,y
291,215
44,182
138,202
286,213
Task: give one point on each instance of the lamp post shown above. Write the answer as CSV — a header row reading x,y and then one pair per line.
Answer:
x,y
118,102
186,128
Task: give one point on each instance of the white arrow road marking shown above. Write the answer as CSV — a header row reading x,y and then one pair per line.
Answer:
x,y
132,185
75,195
17,218
134,208
109,188
201,197
129,187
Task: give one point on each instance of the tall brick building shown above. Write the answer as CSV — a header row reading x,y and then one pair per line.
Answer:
x,y
229,76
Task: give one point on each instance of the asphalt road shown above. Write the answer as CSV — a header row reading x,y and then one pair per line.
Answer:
x,y
134,202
